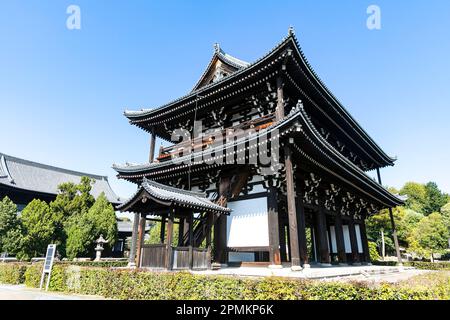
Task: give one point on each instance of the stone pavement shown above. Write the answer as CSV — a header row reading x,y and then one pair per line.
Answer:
x,y
360,273
21,292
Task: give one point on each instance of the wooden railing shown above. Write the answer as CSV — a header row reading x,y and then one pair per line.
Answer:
x,y
207,140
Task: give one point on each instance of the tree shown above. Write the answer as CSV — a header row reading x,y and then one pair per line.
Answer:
x,y
84,228
435,198
72,200
417,195
408,223
8,220
38,229
430,236
155,233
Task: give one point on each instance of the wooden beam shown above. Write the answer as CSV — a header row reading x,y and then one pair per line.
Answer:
x,y
292,211
181,232
340,243
274,236
282,233
220,227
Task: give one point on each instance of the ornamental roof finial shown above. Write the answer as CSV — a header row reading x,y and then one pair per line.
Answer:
x,y
216,47
291,31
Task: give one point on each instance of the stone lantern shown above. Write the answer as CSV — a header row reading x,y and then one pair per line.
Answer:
x,y
99,248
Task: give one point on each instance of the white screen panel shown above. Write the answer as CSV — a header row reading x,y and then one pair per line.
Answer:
x,y
358,238
333,240
348,246
248,225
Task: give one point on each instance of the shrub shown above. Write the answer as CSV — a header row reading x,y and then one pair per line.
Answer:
x,y
135,284
373,252
12,273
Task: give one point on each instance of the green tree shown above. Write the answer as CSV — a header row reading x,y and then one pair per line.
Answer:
x,y
155,234
38,229
72,200
84,228
430,236
435,198
417,196
8,221
408,223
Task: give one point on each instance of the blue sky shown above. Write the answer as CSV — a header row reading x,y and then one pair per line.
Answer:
x,y
63,92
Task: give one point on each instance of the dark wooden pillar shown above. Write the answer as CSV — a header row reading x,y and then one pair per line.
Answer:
x,y
279,112
292,210
340,243
180,232
162,234
353,241
169,240
282,232
394,234
301,228
140,241
220,227
134,237
191,240
364,240
322,242
152,146
274,236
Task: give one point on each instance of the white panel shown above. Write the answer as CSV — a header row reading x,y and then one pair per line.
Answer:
x,y
348,246
257,188
248,225
333,240
328,241
358,238
241,256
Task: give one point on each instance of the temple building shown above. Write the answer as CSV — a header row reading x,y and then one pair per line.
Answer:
x,y
264,165
23,180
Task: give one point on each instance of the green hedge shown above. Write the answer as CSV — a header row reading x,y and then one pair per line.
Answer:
x,y
126,284
12,273
418,264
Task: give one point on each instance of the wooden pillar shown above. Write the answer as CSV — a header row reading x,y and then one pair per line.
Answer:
x,y
163,228
282,232
220,227
209,225
169,240
353,241
181,232
191,240
322,242
340,243
140,241
274,235
292,210
379,175
365,241
279,112
301,228
394,234
134,237
151,155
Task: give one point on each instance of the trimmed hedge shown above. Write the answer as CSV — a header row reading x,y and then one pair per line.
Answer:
x,y
423,265
12,273
126,284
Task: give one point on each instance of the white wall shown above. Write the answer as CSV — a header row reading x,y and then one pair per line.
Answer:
x,y
348,246
358,238
248,225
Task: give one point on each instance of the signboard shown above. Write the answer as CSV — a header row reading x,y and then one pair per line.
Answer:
x,y
48,263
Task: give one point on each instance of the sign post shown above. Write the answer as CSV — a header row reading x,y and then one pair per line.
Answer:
x,y
48,263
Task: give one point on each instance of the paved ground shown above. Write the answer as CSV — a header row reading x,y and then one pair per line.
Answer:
x,y
20,292
346,273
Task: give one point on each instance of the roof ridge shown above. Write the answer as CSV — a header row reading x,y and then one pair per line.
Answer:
x,y
51,167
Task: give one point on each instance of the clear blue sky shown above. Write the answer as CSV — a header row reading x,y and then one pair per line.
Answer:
x,y
63,92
